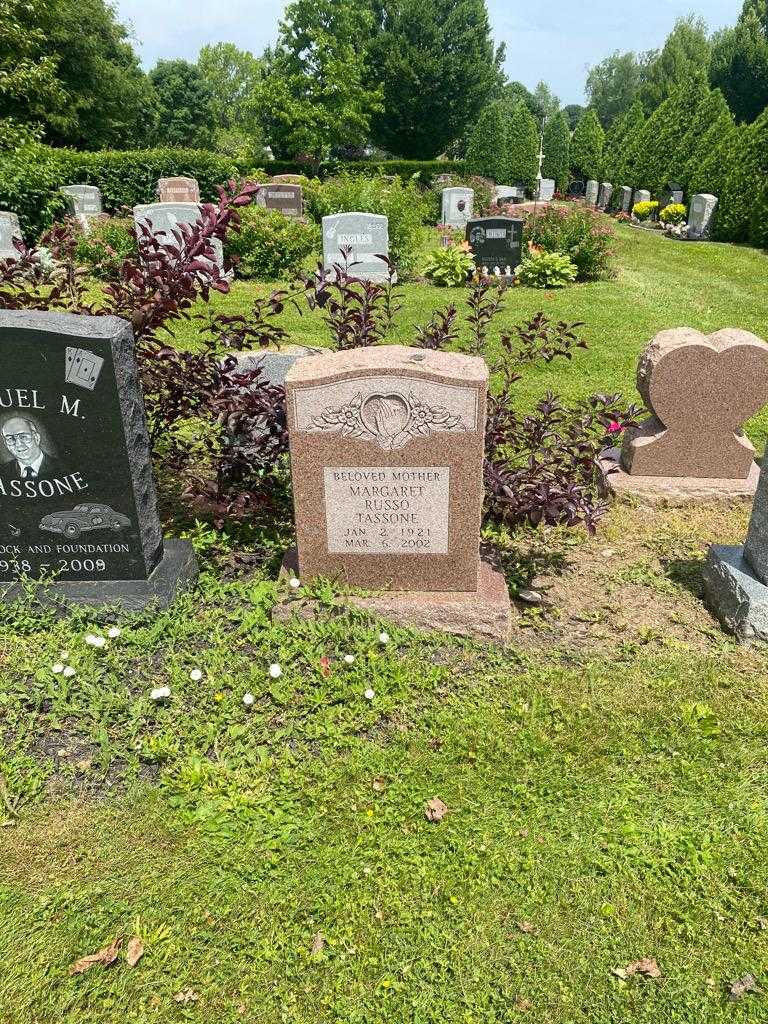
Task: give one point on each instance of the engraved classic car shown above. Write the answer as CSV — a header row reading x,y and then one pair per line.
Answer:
x,y
84,518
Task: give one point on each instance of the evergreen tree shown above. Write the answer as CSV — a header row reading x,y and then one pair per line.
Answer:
x,y
522,147
437,66
746,170
708,164
740,63
587,147
618,142
487,147
684,57
654,159
557,148
709,111
183,104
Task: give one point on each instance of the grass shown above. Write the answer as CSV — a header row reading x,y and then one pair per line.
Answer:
x,y
605,776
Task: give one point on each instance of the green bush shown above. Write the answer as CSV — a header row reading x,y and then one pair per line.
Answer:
x,y
675,213
487,147
644,210
758,228
29,178
450,266
747,169
108,243
270,245
557,151
584,236
406,208
542,269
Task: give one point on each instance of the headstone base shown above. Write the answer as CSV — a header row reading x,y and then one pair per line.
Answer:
x,y
177,570
734,594
672,490
484,614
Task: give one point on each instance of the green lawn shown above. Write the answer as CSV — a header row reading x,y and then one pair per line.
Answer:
x,y
661,284
605,776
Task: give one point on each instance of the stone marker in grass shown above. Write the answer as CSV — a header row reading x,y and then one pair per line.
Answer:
x,y
642,195
604,195
591,193
626,198
164,219
77,499
496,244
700,389
365,236
701,216
9,229
387,467
178,190
457,206
286,198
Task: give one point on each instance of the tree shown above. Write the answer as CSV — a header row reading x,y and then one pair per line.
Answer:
x,y
618,143
546,104
315,93
708,112
436,62
183,104
522,147
684,56
706,168
746,172
587,147
574,112
739,65
657,155
109,98
557,145
30,91
230,76
487,147
613,84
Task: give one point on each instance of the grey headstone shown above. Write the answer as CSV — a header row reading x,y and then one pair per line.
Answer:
x,y
604,195
626,198
164,217
87,512
274,365
590,195
283,197
545,190
505,194
366,234
672,193
9,229
701,215
642,195
457,206
83,200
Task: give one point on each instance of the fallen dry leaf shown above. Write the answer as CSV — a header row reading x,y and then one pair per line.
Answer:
x,y
435,809
318,942
105,956
742,986
762,923
379,784
527,928
647,967
186,996
523,1004
134,951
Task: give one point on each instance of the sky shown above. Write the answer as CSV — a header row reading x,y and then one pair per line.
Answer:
x,y
555,41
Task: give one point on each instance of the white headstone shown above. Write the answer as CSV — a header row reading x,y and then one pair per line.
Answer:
x,y
457,206
503,194
83,200
366,235
642,195
700,216
164,217
9,229
545,190
590,195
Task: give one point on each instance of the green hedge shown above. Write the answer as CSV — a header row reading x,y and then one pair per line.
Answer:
x,y
30,178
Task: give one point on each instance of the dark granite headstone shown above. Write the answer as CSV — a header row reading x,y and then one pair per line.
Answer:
x,y
496,242
286,198
77,499
671,193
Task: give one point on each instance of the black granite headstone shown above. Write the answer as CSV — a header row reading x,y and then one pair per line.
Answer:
x,y
77,499
496,242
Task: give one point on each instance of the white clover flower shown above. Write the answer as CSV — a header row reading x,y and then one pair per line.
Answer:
x,y
64,655
275,671
160,693
113,632
349,659
369,694
58,667
196,675
89,638
69,671
294,582
99,641
383,638
248,700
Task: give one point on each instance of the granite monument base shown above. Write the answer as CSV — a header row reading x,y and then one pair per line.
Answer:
x,y
484,614
672,490
734,594
175,572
